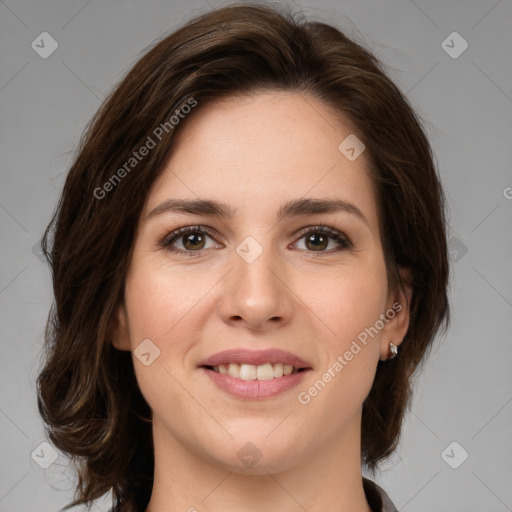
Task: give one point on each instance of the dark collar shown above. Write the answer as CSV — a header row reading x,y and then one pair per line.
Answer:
x,y
377,498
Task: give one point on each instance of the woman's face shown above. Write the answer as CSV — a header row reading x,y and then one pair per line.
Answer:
x,y
265,278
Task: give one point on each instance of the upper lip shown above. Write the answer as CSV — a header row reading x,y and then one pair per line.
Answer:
x,y
255,357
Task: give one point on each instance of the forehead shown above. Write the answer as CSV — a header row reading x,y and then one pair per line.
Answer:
x,y
257,152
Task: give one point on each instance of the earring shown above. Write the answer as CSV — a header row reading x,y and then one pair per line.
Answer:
x,y
393,350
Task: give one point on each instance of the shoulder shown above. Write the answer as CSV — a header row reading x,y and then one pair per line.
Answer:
x,y
377,498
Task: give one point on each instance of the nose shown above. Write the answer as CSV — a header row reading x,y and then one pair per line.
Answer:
x,y
257,295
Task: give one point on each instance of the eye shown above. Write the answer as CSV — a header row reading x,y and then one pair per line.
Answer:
x,y
193,240
317,239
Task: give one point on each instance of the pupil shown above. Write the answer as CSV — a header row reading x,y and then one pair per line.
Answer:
x,y
189,239
322,243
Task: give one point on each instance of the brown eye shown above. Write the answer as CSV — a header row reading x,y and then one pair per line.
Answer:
x,y
317,241
318,238
192,240
189,240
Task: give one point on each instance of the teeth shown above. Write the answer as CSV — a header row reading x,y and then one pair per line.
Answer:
x,y
247,372
234,370
278,370
265,371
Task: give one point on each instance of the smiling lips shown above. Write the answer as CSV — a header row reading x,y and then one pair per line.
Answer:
x,y
255,374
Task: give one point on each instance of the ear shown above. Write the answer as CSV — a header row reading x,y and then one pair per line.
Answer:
x,y
398,315
118,331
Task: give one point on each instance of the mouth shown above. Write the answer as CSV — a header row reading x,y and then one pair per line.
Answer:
x,y
255,374
246,371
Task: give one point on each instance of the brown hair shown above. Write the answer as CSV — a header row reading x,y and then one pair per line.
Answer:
x,y
87,392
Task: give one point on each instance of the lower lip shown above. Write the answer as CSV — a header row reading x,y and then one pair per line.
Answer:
x,y
255,389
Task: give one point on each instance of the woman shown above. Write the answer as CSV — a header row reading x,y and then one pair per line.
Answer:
x,y
249,265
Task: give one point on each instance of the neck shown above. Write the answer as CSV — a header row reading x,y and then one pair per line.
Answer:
x,y
324,480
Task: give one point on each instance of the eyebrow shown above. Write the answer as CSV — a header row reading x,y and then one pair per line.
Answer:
x,y
294,208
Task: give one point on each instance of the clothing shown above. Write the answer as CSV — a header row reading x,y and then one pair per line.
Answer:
x,y
377,498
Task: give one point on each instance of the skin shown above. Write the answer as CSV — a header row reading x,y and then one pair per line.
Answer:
x,y
255,153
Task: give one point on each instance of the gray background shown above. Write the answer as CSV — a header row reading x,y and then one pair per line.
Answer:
x,y
465,392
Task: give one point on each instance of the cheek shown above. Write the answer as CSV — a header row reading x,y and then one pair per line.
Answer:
x,y
157,304
350,307
159,299
346,301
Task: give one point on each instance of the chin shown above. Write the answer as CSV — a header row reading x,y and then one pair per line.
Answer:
x,y
272,464
258,455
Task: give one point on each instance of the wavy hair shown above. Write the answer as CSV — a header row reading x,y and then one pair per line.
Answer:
x,y
87,392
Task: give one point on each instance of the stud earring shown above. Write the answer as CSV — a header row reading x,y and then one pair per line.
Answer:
x,y
393,350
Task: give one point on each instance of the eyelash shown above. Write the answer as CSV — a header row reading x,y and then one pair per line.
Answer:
x,y
167,241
